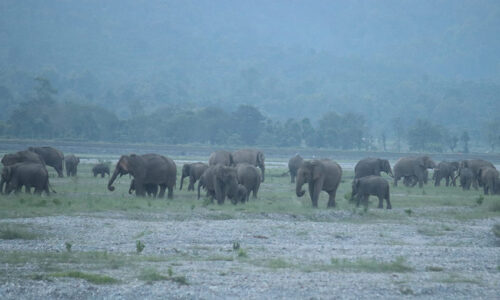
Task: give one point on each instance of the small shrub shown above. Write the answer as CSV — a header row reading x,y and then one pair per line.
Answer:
x,y
17,232
434,269
68,246
409,212
480,200
348,197
170,271
242,253
496,230
56,201
406,291
236,246
139,246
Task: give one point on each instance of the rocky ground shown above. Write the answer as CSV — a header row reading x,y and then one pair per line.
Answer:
x,y
334,254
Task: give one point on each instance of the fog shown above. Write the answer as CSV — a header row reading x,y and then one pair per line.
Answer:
x,y
386,65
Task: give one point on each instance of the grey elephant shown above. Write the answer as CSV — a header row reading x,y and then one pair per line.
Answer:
x,y
194,172
249,177
220,181
445,170
27,174
21,156
293,166
466,176
221,157
71,163
321,175
147,169
474,165
372,166
242,193
151,189
251,156
489,179
51,156
363,187
100,169
414,166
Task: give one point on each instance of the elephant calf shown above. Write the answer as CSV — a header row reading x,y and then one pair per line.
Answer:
x,y
363,187
293,166
466,177
151,189
100,169
489,179
220,181
194,172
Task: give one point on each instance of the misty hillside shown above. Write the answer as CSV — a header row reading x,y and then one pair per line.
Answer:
x,y
433,60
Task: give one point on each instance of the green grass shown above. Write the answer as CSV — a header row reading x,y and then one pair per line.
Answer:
x,y
399,265
496,230
452,278
92,278
16,232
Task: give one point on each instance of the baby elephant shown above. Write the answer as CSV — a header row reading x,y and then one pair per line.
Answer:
x,y
151,189
100,169
363,187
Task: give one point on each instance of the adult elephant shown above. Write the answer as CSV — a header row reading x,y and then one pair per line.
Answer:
x,y
221,157
372,166
293,166
322,175
147,169
445,170
21,156
71,163
194,172
474,165
414,166
220,181
249,177
25,174
51,156
251,156
466,176
489,179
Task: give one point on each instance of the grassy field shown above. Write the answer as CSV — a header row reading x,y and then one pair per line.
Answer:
x,y
434,212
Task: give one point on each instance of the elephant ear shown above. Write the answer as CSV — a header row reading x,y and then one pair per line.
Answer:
x,y
7,173
421,161
318,169
123,163
136,166
260,158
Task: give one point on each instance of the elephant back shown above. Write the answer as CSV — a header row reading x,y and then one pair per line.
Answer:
x,y
221,157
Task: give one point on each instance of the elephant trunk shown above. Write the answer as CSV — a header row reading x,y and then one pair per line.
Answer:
x,y
2,181
263,168
112,179
199,186
298,186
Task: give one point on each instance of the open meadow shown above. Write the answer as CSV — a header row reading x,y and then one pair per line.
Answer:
x,y
87,242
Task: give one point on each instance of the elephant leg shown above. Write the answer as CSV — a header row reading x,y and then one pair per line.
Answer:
x,y
254,193
318,186
170,194
388,200
447,180
358,200
191,183
311,191
380,201
331,199
396,181
162,191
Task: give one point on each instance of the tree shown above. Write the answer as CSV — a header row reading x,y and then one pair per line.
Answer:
x,y
397,124
248,123
465,139
492,130
424,136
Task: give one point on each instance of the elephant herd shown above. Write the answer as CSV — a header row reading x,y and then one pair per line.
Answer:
x,y
325,175
238,174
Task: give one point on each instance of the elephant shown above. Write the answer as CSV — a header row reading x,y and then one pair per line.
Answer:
x,y
22,156
100,169
363,187
147,169
242,193
220,181
221,157
293,166
474,165
322,175
413,166
151,189
26,174
372,166
194,172
249,177
466,176
251,156
488,179
51,156
71,162
445,170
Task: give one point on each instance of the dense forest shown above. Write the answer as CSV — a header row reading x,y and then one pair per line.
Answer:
x,y
386,75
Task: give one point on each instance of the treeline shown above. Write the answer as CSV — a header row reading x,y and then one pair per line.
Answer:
x,y
43,117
